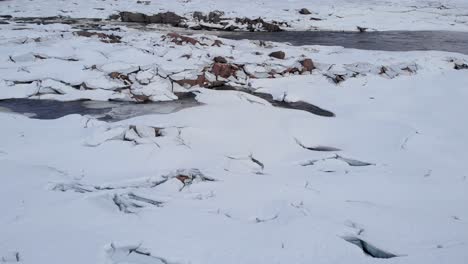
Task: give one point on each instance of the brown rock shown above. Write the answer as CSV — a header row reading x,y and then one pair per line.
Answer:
x,y
278,55
308,65
224,70
217,43
200,81
120,76
179,39
183,178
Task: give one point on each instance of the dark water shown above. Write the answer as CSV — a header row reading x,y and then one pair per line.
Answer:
x,y
382,40
109,111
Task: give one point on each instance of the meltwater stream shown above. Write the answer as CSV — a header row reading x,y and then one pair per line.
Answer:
x,y
380,40
109,111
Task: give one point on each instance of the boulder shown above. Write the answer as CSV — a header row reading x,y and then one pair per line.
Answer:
x,y
304,11
224,70
133,17
170,18
308,65
220,59
278,55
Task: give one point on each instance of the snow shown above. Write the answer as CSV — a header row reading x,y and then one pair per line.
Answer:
x,y
234,179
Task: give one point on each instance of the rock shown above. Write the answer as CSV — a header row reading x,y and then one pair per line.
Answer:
x,y
212,17
215,16
461,66
200,81
271,27
120,76
304,11
132,17
179,39
114,17
362,29
220,59
224,70
308,65
217,43
102,37
252,24
170,18
197,15
278,55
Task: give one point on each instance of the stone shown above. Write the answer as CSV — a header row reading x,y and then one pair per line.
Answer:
x,y
179,39
220,59
170,18
133,17
304,11
278,55
308,65
224,70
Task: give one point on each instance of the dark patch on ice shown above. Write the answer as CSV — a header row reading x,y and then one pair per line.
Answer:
x,y
108,111
353,162
369,249
298,105
318,148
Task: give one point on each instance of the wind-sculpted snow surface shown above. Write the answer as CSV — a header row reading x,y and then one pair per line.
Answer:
x,y
246,176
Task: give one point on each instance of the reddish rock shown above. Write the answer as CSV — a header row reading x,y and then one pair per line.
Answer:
x,y
183,178
120,76
308,65
200,81
224,70
179,39
217,43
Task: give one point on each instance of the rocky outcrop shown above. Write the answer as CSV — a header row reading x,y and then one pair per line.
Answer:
x,y
169,18
259,24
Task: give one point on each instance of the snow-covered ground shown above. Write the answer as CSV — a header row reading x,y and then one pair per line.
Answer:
x,y
235,179
325,14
